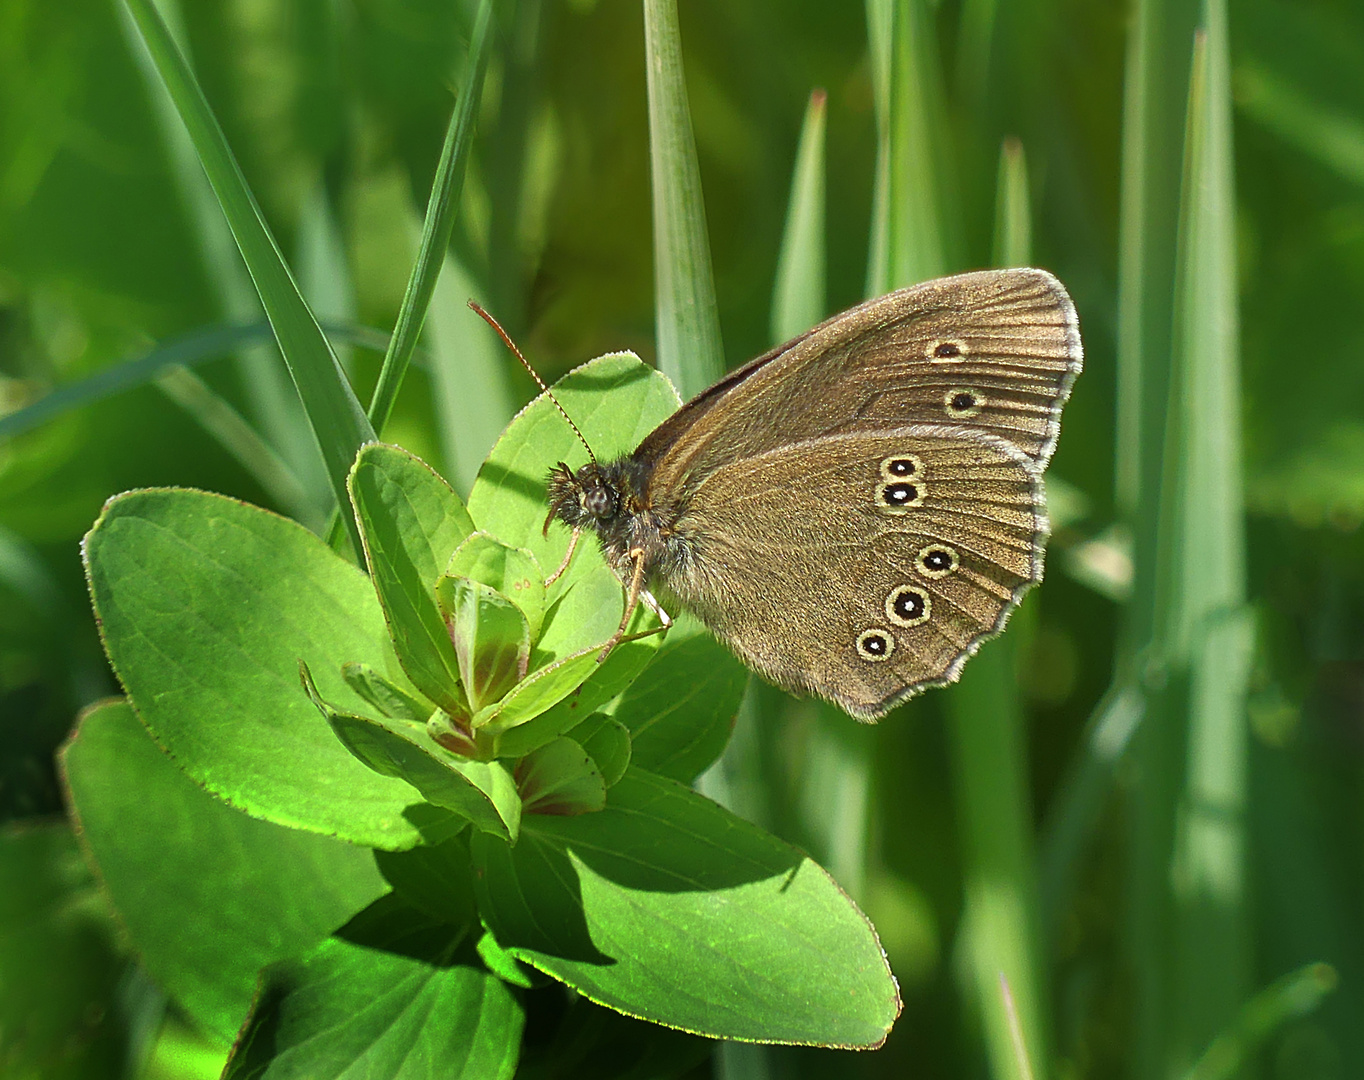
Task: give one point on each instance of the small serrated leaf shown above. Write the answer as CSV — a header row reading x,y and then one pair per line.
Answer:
x,y
607,741
384,695
513,572
560,778
491,638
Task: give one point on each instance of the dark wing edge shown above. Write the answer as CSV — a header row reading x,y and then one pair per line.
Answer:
x,y
1075,360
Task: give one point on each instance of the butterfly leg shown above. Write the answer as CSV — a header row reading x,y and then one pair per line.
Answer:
x,y
634,593
568,558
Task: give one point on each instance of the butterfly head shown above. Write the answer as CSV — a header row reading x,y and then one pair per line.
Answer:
x,y
585,498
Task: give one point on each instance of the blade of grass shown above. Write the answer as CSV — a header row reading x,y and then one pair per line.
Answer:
x,y
273,403
1297,994
339,423
440,219
1154,106
472,397
194,348
1001,922
1332,137
1021,1060
323,270
687,320
1204,624
798,295
880,27
917,223
1013,222
217,416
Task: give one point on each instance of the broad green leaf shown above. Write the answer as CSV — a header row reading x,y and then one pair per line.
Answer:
x,y
491,639
175,861
386,997
566,665
587,614
616,400
481,791
207,605
681,712
513,572
437,880
608,742
667,907
338,421
58,998
411,521
383,695
560,778
505,966
687,319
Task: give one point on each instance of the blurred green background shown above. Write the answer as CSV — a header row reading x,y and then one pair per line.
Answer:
x,y
336,110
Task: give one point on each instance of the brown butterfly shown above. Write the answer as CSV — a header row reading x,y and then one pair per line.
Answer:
x,y
854,512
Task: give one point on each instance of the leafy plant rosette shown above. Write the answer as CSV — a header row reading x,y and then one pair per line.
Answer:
x,y
527,802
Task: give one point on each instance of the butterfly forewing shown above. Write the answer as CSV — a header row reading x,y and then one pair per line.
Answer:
x,y
996,351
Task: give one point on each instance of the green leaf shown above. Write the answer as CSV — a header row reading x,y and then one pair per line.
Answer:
x,y
206,606
383,998
560,778
513,572
491,639
616,400
681,713
566,667
687,320
608,742
338,421
411,521
666,907
384,696
436,880
798,297
440,219
60,993
174,861
482,792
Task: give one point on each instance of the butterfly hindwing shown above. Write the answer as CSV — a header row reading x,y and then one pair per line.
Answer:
x,y
864,567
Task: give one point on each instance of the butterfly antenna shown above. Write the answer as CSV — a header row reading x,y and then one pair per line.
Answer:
x,y
533,374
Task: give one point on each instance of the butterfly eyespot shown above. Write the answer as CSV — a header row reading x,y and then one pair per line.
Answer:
x,y
908,606
875,645
962,403
899,496
948,351
900,467
937,561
